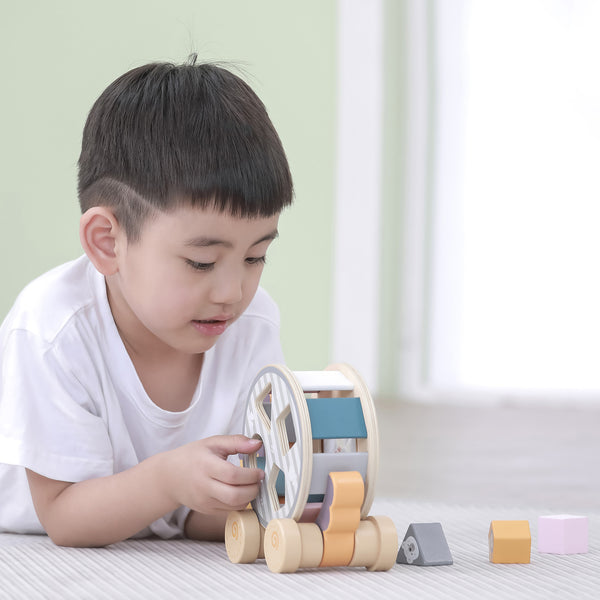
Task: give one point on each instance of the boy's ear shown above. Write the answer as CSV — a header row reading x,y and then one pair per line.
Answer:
x,y
100,234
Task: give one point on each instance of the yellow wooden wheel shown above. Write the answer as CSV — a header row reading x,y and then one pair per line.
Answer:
x,y
242,536
283,546
375,544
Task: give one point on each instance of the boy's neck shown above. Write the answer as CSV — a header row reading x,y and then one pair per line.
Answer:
x,y
169,377
170,384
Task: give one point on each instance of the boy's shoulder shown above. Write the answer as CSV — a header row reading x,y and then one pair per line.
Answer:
x,y
47,303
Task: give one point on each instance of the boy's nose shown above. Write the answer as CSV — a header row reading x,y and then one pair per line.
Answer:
x,y
227,290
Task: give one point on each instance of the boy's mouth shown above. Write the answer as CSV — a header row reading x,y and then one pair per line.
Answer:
x,y
211,327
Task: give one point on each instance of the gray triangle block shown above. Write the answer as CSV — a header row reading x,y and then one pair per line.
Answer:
x,y
424,545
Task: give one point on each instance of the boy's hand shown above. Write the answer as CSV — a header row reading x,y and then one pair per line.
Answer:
x,y
200,476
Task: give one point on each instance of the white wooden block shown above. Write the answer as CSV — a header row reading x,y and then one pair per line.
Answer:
x,y
323,381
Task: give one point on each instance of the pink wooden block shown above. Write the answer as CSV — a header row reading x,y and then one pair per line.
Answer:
x,y
563,534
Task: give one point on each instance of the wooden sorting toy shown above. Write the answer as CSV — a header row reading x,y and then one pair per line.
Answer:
x,y
320,457
509,542
424,545
563,534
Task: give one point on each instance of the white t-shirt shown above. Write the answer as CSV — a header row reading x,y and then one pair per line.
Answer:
x,y
72,406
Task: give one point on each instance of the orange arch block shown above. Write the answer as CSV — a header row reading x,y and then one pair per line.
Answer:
x,y
344,518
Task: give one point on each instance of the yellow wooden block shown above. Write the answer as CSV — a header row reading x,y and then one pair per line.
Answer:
x,y
510,542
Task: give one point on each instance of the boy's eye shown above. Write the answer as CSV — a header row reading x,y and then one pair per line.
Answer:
x,y
256,260
198,266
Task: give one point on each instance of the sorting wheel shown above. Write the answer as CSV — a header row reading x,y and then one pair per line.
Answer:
x,y
286,454
277,413
243,536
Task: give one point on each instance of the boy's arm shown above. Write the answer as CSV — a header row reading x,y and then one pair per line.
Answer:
x,y
210,528
109,509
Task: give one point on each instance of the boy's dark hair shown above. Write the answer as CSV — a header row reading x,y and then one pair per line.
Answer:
x,y
163,134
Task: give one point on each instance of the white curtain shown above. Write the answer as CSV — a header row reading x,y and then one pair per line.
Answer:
x,y
514,254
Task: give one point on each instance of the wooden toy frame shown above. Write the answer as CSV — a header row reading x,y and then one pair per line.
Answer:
x,y
280,406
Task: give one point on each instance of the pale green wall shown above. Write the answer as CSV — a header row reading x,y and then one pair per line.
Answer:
x,y
58,55
393,199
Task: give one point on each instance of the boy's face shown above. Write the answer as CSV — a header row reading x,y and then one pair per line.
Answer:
x,y
189,277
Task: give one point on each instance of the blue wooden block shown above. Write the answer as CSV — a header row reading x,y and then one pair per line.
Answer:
x,y
332,418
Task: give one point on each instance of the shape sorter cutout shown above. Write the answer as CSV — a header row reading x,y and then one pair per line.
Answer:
x,y
563,534
424,545
510,542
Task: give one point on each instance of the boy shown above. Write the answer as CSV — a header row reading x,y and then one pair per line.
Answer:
x,y
122,370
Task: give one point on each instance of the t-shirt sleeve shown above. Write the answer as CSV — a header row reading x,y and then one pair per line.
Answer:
x,y
48,422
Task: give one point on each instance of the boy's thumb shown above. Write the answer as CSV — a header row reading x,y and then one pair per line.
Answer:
x,y
234,444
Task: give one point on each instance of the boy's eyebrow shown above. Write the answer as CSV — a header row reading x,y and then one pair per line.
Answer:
x,y
205,241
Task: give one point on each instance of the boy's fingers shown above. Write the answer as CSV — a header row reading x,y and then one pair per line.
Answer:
x,y
232,475
234,497
226,445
